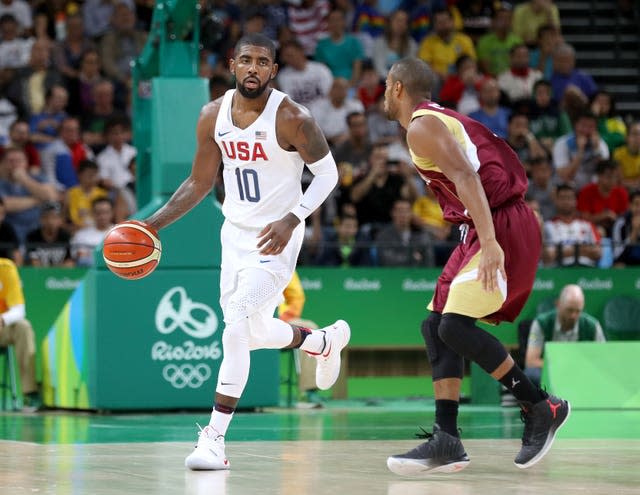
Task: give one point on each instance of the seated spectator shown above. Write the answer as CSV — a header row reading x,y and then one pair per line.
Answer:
x,y
518,80
93,123
61,159
17,331
544,115
67,53
121,44
428,215
81,88
367,25
341,246
14,50
48,245
356,149
542,186
569,239
85,240
370,88
522,140
341,51
114,160
22,192
541,56
381,129
494,47
565,73
331,112
303,80
491,113
398,244
628,156
575,155
9,243
528,17
442,48
626,234
78,199
394,44
28,88
20,10
460,90
601,202
97,15
610,125
20,137
567,323
46,124
384,182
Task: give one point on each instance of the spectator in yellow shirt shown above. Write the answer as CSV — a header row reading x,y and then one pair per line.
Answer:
x,y
528,17
79,198
16,330
291,312
628,156
442,48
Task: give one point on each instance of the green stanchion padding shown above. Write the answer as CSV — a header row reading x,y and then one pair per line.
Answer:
x,y
593,375
484,388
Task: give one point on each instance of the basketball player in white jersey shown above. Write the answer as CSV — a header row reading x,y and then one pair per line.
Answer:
x,y
263,140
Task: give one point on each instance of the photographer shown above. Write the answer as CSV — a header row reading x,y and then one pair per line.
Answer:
x,y
384,182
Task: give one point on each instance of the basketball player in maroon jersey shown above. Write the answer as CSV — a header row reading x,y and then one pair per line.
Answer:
x,y
480,184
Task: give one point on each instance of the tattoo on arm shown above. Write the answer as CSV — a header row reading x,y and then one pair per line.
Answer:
x,y
312,145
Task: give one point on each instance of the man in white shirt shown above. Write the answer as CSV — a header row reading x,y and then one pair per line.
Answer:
x,y
14,51
303,80
114,160
20,10
331,112
86,239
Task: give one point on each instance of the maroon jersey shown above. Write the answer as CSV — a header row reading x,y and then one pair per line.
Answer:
x,y
502,175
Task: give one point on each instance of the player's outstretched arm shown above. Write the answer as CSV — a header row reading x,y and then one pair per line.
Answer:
x,y
429,138
298,130
203,172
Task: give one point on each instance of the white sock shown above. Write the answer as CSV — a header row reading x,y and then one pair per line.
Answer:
x,y
315,342
220,422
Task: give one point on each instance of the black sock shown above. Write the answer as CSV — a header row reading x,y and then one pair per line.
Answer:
x,y
447,416
520,386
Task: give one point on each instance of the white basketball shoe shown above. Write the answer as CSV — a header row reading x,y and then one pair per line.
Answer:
x,y
209,452
328,367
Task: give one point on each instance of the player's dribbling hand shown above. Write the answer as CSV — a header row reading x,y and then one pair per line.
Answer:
x,y
491,262
275,236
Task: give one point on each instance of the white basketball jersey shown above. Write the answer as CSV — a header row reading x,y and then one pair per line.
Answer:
x,y
262,181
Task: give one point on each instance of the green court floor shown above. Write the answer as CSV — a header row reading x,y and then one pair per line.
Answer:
x,y
338,420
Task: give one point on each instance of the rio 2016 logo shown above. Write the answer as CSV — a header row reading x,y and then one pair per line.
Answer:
x,y
177,311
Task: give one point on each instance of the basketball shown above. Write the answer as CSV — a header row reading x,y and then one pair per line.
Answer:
x,y
132,250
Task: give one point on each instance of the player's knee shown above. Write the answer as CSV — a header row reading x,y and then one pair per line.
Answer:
x,y
430,335
445,362
236,334
454,331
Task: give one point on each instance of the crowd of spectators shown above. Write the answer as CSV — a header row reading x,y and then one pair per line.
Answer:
x,y
67,166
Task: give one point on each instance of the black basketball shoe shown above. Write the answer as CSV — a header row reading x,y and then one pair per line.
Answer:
x,y
541,422
441,453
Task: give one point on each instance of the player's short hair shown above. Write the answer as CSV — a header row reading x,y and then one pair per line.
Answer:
x,y
256,39
415,75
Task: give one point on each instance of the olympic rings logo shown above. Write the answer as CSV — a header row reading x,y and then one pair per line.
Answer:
x,y
186,375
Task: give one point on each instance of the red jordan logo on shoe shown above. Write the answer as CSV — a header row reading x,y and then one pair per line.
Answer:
x,y
554,407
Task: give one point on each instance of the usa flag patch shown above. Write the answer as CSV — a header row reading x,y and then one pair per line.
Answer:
x,y
261,135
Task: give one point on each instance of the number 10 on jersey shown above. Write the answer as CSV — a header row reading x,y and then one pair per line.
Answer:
x,y
248,187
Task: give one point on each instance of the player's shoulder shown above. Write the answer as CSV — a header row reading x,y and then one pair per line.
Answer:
x,y
211,108
291,114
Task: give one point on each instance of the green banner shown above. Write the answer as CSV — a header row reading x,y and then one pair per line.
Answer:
x,y
385,306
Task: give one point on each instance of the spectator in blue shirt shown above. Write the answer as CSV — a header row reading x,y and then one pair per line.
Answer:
x,y
565,73
491,114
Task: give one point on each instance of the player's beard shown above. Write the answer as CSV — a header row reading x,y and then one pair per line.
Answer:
x,y
252,93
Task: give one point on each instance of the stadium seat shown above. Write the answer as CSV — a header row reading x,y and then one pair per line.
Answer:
x,y
621,318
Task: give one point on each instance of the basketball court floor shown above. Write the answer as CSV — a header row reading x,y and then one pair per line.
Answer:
x,y
340,449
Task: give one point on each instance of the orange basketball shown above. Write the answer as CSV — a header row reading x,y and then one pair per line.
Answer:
x,y
132,249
